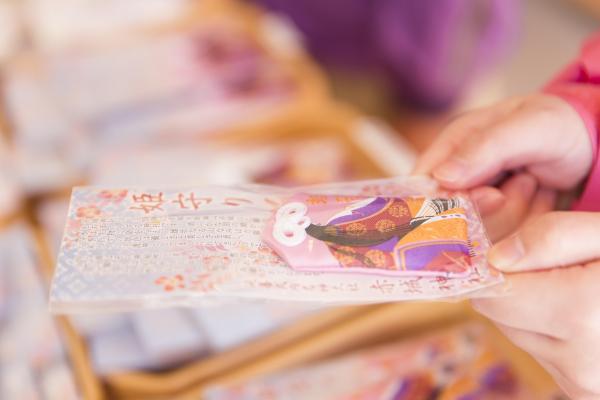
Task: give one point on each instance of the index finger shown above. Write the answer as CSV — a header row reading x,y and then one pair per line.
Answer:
x,y
449,139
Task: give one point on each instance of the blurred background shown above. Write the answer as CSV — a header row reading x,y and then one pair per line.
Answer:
x,y
285,92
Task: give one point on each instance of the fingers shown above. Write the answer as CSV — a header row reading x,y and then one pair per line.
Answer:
x,y
518,192
543,134
505,144
551,240
543,202
540,346
571,389
522,310
488,199
449,140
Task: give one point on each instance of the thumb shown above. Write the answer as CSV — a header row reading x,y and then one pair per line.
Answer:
x,y
552,240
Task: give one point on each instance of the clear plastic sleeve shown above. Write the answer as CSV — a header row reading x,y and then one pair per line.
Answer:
x,y
140,248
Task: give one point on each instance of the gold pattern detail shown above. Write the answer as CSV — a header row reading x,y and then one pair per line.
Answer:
x,y
356,229
385,225
345,255
317,200
346,249
377,258
398,210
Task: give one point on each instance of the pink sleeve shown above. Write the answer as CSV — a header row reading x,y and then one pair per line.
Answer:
x,y
579,84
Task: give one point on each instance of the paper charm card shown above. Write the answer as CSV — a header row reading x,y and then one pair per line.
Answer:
x,y
341,243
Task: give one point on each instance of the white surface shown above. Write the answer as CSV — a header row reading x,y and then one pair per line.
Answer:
x,y
30,342
228,326
385,147
58,24
115,351
169,335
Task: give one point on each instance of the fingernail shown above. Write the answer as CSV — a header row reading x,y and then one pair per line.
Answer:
x,y
451,171
507,253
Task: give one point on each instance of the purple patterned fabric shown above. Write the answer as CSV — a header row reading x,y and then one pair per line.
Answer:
x,y
425,254
428,51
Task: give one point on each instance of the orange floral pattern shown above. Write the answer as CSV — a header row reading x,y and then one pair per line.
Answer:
x,y
398,210
116,195
170,283
378,258
88,212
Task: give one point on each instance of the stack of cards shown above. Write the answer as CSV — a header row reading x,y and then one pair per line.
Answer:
x,y
33,359
290,163
348,243
163,86
60,24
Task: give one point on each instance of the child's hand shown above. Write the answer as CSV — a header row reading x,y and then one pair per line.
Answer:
x,y
553,314
541,134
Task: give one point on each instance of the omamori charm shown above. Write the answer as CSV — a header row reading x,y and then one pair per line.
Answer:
x,y
376,235
344,243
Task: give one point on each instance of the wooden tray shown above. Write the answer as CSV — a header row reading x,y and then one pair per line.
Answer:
x,y
89,384
382,324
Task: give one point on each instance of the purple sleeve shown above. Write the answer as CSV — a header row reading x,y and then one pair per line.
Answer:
x,y
427,52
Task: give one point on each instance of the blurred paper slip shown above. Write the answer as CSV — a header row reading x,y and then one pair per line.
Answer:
x,y
290,163
141,248
55,25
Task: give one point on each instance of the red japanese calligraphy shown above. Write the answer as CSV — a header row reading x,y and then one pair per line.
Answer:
x,y
384,286
236,201
148,202
191,201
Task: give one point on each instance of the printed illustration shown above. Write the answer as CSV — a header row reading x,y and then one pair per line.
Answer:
x,y
390,235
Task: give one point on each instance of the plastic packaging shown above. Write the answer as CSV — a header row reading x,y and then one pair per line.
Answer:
x,y
141,248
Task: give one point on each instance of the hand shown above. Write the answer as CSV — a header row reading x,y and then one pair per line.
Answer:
x,y
553,268
541,135
516,200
